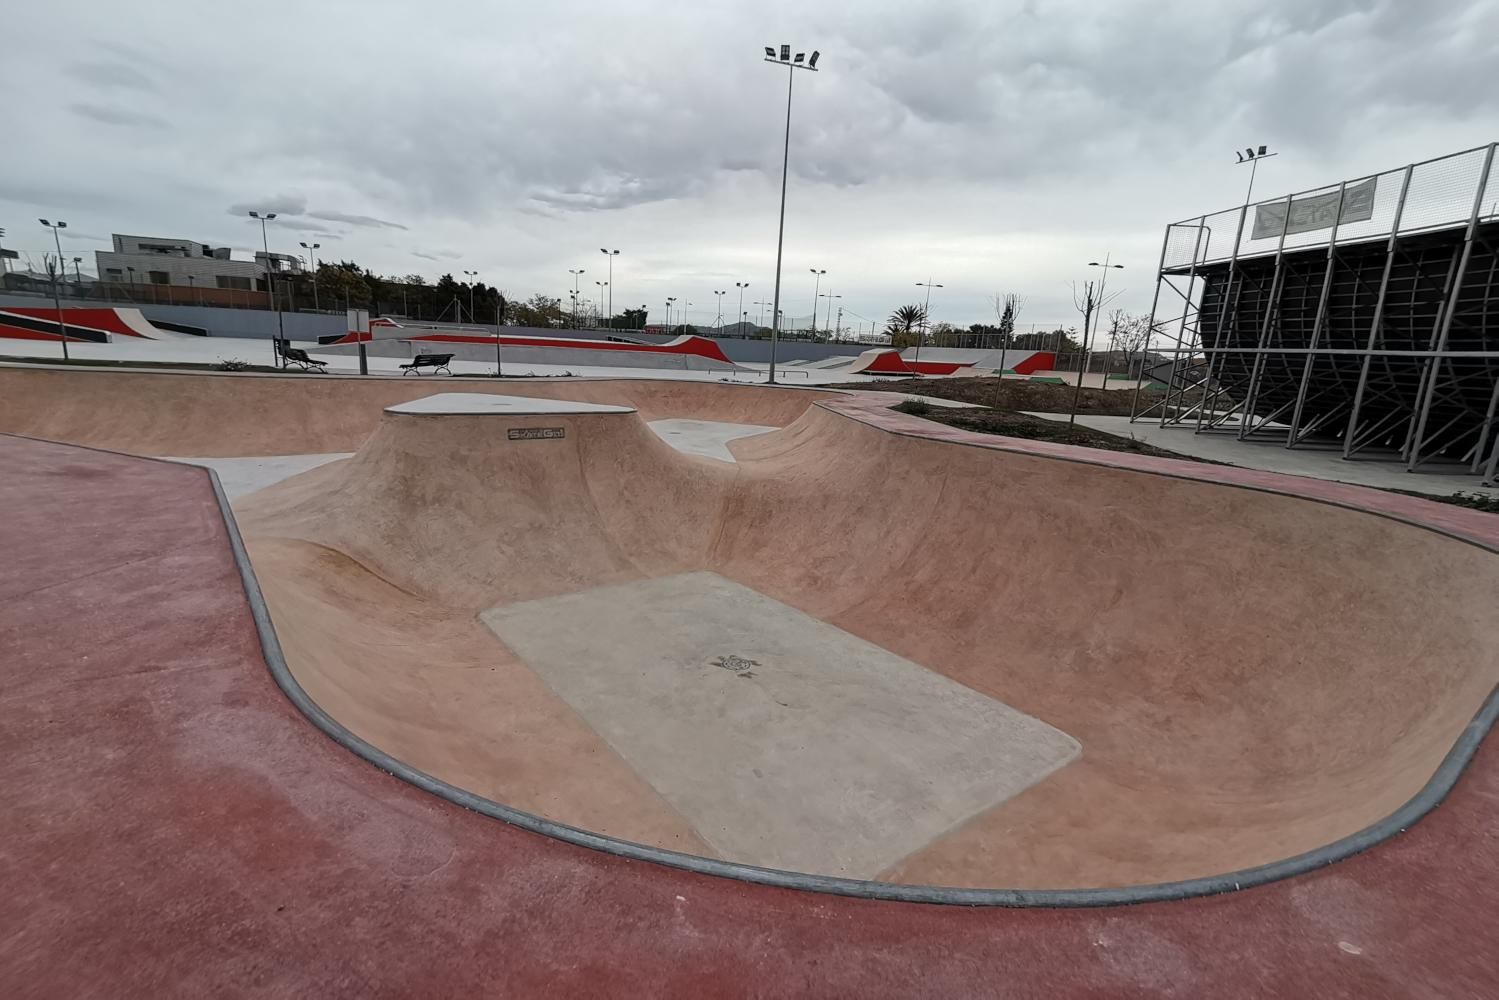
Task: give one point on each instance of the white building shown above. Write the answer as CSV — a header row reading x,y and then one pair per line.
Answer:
x,y
151,260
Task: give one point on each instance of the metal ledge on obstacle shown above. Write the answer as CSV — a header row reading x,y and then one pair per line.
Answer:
x,y
452,403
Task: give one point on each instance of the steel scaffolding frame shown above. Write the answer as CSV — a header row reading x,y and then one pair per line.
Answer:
x,y
1381,342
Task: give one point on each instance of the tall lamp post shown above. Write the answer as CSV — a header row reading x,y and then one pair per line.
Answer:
x,y
719,296
62,328
575,272
926,313
669,300
599,315
741,285
830,297
816,289
611,254
1253,157
270,292
472,316
783,58
312,249
1092,306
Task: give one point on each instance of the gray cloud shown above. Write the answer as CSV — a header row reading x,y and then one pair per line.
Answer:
x,y
354,220
117,116
111,74
997,145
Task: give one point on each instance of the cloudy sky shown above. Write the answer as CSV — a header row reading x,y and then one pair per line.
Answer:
x,y
991,145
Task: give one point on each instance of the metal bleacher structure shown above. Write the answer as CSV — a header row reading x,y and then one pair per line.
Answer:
x,y
1360,315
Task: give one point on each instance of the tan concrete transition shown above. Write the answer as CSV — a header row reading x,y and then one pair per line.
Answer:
x,y
1250,676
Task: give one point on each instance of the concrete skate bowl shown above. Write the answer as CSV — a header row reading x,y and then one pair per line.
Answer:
x,y
879,660
860,655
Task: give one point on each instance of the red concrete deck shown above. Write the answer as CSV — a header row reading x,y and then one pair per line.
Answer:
x,y
173,827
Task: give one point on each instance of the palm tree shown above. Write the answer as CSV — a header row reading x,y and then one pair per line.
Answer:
x,y
902,324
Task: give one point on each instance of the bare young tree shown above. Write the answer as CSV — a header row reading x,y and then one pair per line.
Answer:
x,y
1007,306
1133,337
1088,300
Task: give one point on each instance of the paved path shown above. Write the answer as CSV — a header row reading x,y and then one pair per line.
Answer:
x,y
1316,461
172,827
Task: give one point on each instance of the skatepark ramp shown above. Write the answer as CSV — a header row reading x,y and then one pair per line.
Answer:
x,y
542,602
861,648
97,326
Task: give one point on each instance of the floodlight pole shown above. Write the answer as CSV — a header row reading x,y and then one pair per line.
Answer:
x,y
611,254
62,328
270,288
775,318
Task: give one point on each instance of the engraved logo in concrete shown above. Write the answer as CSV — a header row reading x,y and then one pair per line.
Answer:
x,y
536,433
737,665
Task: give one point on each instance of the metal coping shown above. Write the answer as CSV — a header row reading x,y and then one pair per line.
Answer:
x,y
1413,811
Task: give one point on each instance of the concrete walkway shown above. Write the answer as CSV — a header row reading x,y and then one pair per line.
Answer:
x,y
1315,461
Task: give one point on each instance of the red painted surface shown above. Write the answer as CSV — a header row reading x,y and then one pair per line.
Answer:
x,y
105,321
172,827
692,345
1041,361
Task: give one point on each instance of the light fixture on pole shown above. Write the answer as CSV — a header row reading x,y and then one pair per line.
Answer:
x,y
719,296
472,316
1252,157
669,300
62,328
816,288
830,297
78,272
741,285
599,315
1093,304
926,312
576,293
611,254
270,290
792,65
312,249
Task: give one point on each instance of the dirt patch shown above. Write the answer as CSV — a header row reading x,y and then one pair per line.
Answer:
x,y
1021,425
1013,394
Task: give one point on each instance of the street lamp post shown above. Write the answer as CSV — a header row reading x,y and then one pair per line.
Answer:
x,y
611,254
1093,305
830,297
792,65
1252,157
816,288
599,315
472,316
575,272
669,300
78,272
270,292
741,285
926,313
719,322
62,328
312,249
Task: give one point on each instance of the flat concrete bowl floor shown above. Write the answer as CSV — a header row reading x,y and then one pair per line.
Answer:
x,y
854,652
